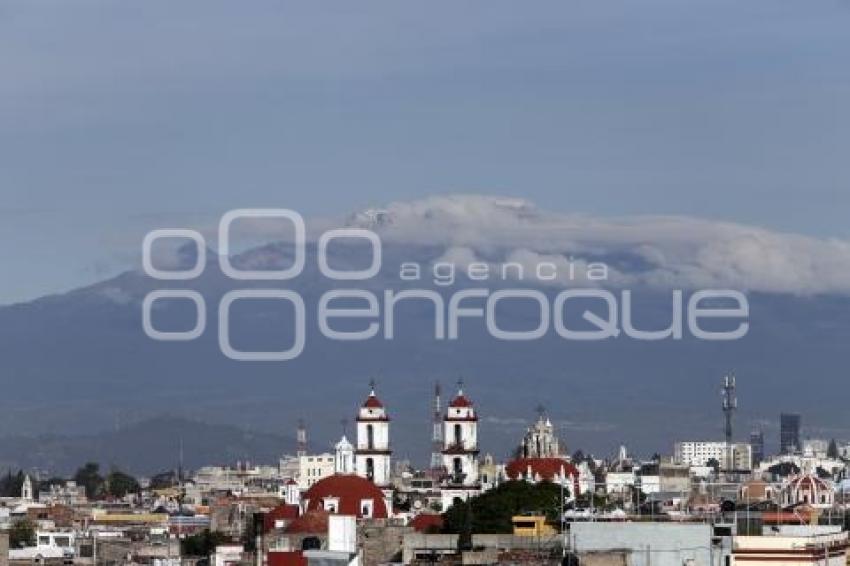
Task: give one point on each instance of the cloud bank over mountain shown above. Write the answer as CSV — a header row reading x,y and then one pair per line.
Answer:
x,y
665,251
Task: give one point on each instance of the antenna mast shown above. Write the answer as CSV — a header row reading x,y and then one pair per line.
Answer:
x,y
437,431
301,438
730,405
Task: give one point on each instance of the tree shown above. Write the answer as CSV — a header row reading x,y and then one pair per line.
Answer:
x,y
832,450
89,477
202,544
119,484
12,484
21,534
784,469
491,512
164,480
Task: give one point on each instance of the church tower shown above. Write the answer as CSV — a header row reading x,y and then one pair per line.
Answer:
x,y
540,440
373,455
460,450
26,489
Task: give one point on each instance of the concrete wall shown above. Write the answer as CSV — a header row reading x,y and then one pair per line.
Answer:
x,y
419,541
510,542
4,549
648,544
381,544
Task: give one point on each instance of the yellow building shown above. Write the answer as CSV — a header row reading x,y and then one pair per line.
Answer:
x,y
531,526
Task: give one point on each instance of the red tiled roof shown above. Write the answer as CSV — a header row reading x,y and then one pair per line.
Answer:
x,y
312,522
280,513
286,558
372,402
426,522
351,490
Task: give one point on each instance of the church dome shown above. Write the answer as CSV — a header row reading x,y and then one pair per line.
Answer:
x,y
347,494
460,401
372,402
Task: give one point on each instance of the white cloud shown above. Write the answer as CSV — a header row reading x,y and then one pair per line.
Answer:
x,y
673,251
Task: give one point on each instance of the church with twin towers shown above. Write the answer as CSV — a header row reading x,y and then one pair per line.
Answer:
x,y
454,462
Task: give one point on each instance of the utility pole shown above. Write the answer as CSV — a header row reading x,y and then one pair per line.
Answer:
x,y
563,523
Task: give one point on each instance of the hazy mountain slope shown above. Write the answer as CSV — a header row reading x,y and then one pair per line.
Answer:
x,y
79,362
145,447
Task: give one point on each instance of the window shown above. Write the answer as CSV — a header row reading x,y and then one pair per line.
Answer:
x,y
370,468
370,437
458,435
366,507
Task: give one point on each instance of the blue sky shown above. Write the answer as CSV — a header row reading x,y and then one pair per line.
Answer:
x,y
121,117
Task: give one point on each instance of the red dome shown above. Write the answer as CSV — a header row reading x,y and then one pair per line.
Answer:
x,y
808,481
351,491
460,401
373,402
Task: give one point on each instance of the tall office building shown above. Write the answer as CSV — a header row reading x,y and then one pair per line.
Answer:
x,y
757,442
789,433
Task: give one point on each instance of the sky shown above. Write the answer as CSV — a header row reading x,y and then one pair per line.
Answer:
x,y
117,117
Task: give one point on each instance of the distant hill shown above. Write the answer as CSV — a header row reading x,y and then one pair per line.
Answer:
x,y
143,448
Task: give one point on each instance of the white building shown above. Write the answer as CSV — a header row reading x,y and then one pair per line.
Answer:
x,y
314,467
699,453
619,483
373,456
789,550
69,494
815,448
240,479
48,545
